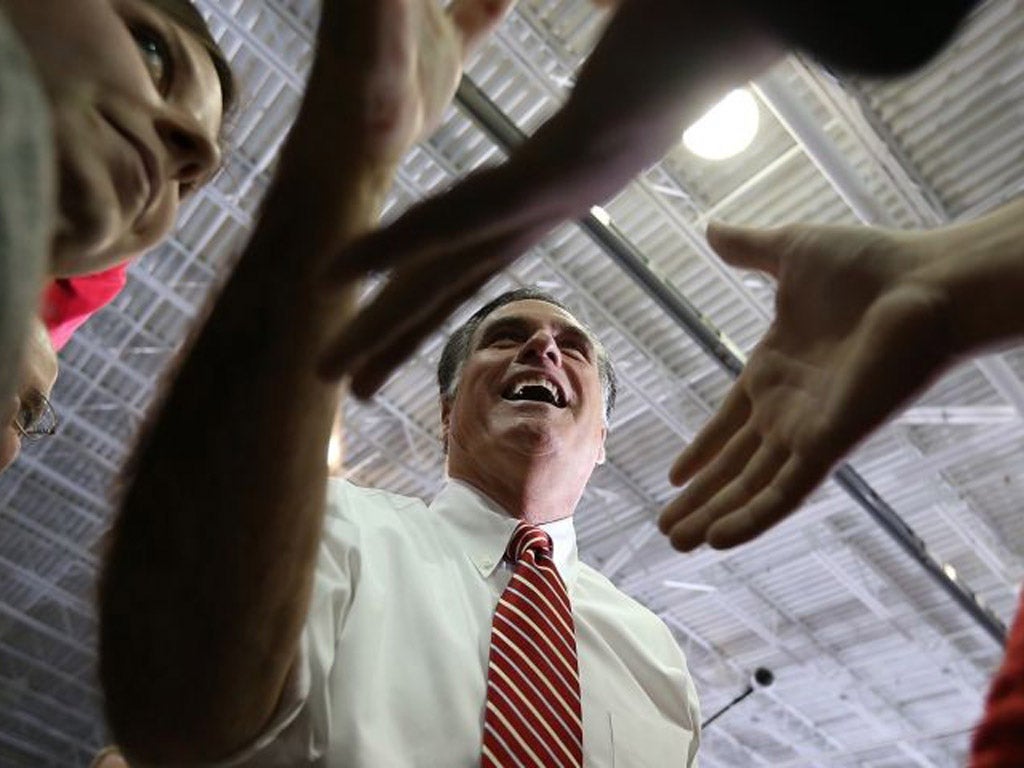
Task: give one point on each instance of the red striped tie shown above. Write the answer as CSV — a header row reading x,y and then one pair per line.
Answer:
x,y
533,685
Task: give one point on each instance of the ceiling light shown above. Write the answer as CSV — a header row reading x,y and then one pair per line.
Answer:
x,y
601,215
336,447
726,129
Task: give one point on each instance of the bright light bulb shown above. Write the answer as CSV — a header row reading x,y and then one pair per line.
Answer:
x,y
336,446
334,453
726,129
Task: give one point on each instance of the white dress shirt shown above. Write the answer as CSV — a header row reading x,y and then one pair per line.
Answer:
x,y
392,670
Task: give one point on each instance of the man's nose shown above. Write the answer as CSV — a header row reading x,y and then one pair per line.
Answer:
x,y
541,345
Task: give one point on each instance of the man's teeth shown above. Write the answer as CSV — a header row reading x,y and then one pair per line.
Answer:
x,y
536,389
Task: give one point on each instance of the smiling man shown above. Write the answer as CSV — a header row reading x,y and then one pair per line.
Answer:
x,y
434,636
403,635
525,394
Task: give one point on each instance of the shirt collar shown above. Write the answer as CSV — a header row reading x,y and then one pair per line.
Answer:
x,y
484,530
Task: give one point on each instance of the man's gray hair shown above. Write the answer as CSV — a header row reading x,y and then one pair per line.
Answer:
x,y
457,349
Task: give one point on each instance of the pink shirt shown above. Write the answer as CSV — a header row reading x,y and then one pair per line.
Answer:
x,y
70,301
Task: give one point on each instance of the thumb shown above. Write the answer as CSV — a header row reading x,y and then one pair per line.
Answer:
x,y
746,247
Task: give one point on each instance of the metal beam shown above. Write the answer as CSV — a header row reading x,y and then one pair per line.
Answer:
x,y
946,415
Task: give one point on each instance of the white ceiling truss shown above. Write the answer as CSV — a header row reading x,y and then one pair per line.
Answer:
x,y
875,663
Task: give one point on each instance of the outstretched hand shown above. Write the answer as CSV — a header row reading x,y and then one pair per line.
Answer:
x,y
658,66
858,333
398,62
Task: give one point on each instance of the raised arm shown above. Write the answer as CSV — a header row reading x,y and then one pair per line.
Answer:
x,y
657,68
866,319
207,581
659,64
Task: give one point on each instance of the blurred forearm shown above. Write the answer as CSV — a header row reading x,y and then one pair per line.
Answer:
x,y
208,577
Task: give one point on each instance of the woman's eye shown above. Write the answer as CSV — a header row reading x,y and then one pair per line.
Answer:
x,y
156,55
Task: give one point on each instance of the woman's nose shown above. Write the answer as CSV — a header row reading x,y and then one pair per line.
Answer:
x,y
194,155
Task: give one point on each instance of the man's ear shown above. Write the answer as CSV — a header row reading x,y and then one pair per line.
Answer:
x,y
446,413
600,450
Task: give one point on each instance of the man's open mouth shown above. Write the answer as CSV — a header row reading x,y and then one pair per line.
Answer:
x,y
538,390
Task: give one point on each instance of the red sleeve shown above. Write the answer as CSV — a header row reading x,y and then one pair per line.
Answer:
x,y
999,739
69,302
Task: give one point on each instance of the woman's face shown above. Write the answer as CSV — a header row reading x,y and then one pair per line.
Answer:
x,y
137,113
38,372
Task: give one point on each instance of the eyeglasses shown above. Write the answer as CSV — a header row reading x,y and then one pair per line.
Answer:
x,y
36,417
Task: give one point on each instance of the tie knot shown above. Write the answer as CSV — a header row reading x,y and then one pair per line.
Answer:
x,y
527,538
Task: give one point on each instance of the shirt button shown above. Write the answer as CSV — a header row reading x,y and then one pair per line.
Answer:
x,y
486,563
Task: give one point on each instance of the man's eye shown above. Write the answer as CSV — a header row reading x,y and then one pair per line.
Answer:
x,y
579,348
503,337
28,415
156,55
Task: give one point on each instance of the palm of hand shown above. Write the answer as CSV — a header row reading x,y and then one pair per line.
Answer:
x,y
427,56
400,61
854,338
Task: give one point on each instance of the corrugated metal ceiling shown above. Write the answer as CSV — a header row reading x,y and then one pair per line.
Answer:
x,y
875,666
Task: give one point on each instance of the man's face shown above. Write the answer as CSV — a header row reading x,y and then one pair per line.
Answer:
x,y
38,372
529,389
136,110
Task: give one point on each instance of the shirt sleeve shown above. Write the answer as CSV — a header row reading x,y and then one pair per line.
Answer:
x,y
691,703
298,732
69,302
293,698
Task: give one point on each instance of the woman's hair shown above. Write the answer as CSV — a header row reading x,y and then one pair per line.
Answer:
x,y
184,13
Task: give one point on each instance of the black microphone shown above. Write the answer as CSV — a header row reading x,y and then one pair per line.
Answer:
x,y
762,678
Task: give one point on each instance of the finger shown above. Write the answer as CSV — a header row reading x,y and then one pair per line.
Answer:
x,y
474,20
756,474
414,297
417,234
748,248
473,211
778,499
725,466
410,295
371,374
729,418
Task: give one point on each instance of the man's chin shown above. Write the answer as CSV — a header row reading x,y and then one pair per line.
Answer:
x,y
532,437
